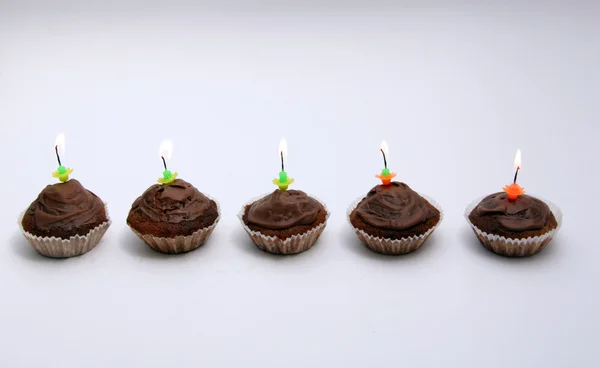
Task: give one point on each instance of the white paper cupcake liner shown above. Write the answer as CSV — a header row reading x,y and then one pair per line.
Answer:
x,y
292,245
64,248
181,243
514,247
394,246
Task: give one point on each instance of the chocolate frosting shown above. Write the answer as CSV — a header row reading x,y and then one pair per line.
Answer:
x,y
66,204
524,213
284,209
394,207
173,203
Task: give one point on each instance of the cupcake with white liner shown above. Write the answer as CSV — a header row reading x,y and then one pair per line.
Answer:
x,y
284,221
173,216
393,219
511,223
65,220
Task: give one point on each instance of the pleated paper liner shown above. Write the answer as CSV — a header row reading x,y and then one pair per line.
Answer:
x,y
54,247
394,246
514,247
181,243
292,245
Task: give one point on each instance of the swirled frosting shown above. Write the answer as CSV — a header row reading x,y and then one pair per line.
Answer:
x,y
174,203
67,205
284,209
524,213
395,207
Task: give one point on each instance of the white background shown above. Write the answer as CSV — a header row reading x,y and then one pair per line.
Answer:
x,y
454,88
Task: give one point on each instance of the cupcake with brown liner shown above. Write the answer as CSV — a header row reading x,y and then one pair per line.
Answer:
x,y
65,220
173,216
511,223
285,221
393,219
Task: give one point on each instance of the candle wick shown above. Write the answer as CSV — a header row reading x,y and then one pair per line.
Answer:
x,y
164,162
57,155
282,166
384,159
516,173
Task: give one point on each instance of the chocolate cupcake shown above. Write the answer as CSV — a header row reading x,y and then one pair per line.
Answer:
x,y
65,220
285,221
514,227
173,217
393,219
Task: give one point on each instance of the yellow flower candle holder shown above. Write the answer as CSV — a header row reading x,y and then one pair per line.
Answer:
x,y
62,173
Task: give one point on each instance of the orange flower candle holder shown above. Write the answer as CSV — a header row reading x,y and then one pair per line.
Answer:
x,y
386,179
513,191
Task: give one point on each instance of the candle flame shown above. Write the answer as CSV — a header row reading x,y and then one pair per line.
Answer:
x,y
518,160
60,143
384,148
283,147
166,149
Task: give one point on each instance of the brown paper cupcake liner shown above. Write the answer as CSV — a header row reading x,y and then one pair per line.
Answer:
x,y
394,246
180,243
292,245
514,247
64,248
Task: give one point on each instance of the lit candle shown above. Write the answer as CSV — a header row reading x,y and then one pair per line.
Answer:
x,y
62,173
166,150
386,175
514,190
283,181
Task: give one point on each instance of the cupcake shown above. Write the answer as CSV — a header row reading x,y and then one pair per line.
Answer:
x,y
393,219
65,220
517,227
285,221
173,217
511,223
